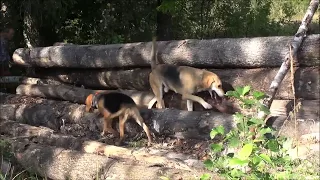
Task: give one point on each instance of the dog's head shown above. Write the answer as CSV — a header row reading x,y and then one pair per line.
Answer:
x,y
92,102
212,82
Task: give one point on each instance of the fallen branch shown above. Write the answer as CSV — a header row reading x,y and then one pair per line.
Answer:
x,y
307,85
295,46
224,52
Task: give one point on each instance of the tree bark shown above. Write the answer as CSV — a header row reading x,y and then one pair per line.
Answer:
x,y
10,79
58,114
47,136
307,80
213,53
61,164
294,55
77,95
308,109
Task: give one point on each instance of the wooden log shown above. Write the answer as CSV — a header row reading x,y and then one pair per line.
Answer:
x,y
55,114
47,136
77,95
309,108
306,80
10,79
60,164
224,52
167,122
39,81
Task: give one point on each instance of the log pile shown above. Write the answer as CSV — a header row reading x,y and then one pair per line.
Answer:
x,y
46,115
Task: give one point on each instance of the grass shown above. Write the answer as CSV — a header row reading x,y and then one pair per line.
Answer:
x,y
10,171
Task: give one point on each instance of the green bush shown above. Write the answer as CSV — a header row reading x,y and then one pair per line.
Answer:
x,y
251,150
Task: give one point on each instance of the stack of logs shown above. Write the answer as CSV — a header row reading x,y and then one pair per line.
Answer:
x,y
67,74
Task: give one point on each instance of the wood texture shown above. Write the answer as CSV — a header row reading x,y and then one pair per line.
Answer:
x,y
167,122
60,164
55,114
309,108
75,94
306,80
214,53
47,136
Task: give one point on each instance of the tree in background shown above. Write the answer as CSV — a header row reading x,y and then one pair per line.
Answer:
x,y
41,23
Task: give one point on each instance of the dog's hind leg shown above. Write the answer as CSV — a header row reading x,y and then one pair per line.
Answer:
x,y
122,120
156,87
137,117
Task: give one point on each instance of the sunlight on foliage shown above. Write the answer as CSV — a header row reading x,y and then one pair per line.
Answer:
x,y
252,151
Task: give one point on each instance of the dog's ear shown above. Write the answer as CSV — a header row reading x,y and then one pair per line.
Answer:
x,y
207,79
89,102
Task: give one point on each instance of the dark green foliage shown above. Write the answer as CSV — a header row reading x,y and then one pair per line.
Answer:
x,y
116,21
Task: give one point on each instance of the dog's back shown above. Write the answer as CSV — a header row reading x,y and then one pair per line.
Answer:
x,y
114,101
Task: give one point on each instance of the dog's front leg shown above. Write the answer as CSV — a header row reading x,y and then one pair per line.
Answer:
x,y
189,105
197,99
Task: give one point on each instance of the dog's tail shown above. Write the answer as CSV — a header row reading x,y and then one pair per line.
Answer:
x,y
154,59
118,113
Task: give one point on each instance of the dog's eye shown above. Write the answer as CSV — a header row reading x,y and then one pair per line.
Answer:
x,y
219,86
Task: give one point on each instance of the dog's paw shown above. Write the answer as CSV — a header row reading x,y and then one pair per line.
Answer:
x,y
207,106
103,133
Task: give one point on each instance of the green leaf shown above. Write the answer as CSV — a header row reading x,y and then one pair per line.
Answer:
x,y
281,175
264,109
234,142
287,144
245,152
258,95
245,90
266,158
239,90
208,164
238,116
273,145
205,176
216,131
264,131
213,133
216,147
237,162
233,94
256,121
249,102
256,160
236,173
220,129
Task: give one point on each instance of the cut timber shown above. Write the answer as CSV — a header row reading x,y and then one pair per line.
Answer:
x,y
77,95
10,79
56,114
307,80
61,164
47,136
224,52
30,80
309,108
181,124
